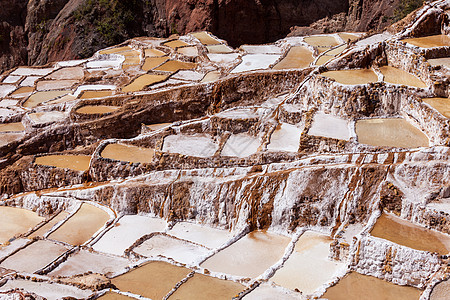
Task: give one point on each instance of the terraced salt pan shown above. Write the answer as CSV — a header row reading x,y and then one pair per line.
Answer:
x,y
355,286
298,57
152,280
81,226
105,63
330,126
34,257
13,246
74,73
205,38
10,137
5,89
262,49
29,81
49,225
251,62
96,94
47,290
441,291
41,97
222,58
240,113
211,76
266,291
200,234
198,145
6,112
188,75
12,127
432,41
347,37
241,145
70,63
12,79
398,76
97,109
22,92
128,153
442,105
180,251
322,42
153,52
114,296
152,62
390,133
285,138
41,118
336,51
246,258
408,234
158,126
85,261
202,287
126,232
176,65
16,221
116,50
24,71
374,39
221,48
63,99
143,81
8,103
73,162
352,77
308,267
45,85
175,44
188,51
93,87
324,59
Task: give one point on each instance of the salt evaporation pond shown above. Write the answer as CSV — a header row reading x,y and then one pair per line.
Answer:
x,y
205,38
211,76
81,226
143,81
266,291
285,138
25,71
308,267
188,51
432,41
441,291
176,65
355,286
46,289
445,62
45,85
442,105
128,153
152,62
76,73
198,145
126,231
114,296
97,109
152,280
408,234
41,118
5,89
202,287
398,76
175,44
245,258
96,94
12,127
116,50
298,57
352,77
330,126
49,225
348,37
241,145
22,92
251,62
10,137
200,234
322,42
16,221
153,52
34,257
221,48
167,246
40,97
390,133
73,162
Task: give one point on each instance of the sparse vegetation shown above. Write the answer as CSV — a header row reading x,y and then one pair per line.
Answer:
x,y
406,7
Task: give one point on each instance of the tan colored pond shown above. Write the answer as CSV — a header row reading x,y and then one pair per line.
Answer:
x,y
355,286
143,81
323,42
11,127
81,226
205,38
157,126
188,51
76,73
202,287
444,61
114,296
16,221
221,48
337,50
348,37
175,65
390,133
245,258
323,60
175,44
351,77
440,40
22,92
128,153
40,97
442,105
97,109
398,76
441,291
44,85
116,50
152,280
211,76
152,62
298,57
96,94
153,52
408,234
73,162
49,225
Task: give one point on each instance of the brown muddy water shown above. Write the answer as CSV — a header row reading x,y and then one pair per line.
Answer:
x,y
116,50
440,40
153,52
96,94
442,105
408,234
143,81
128,153
11,127
114,296
16,221
205,38
175,44
355,286
390,133
22,92
40,97
323,43
297,58
96,109
398,76
176,65
81,226
73,162
152,62
352,77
